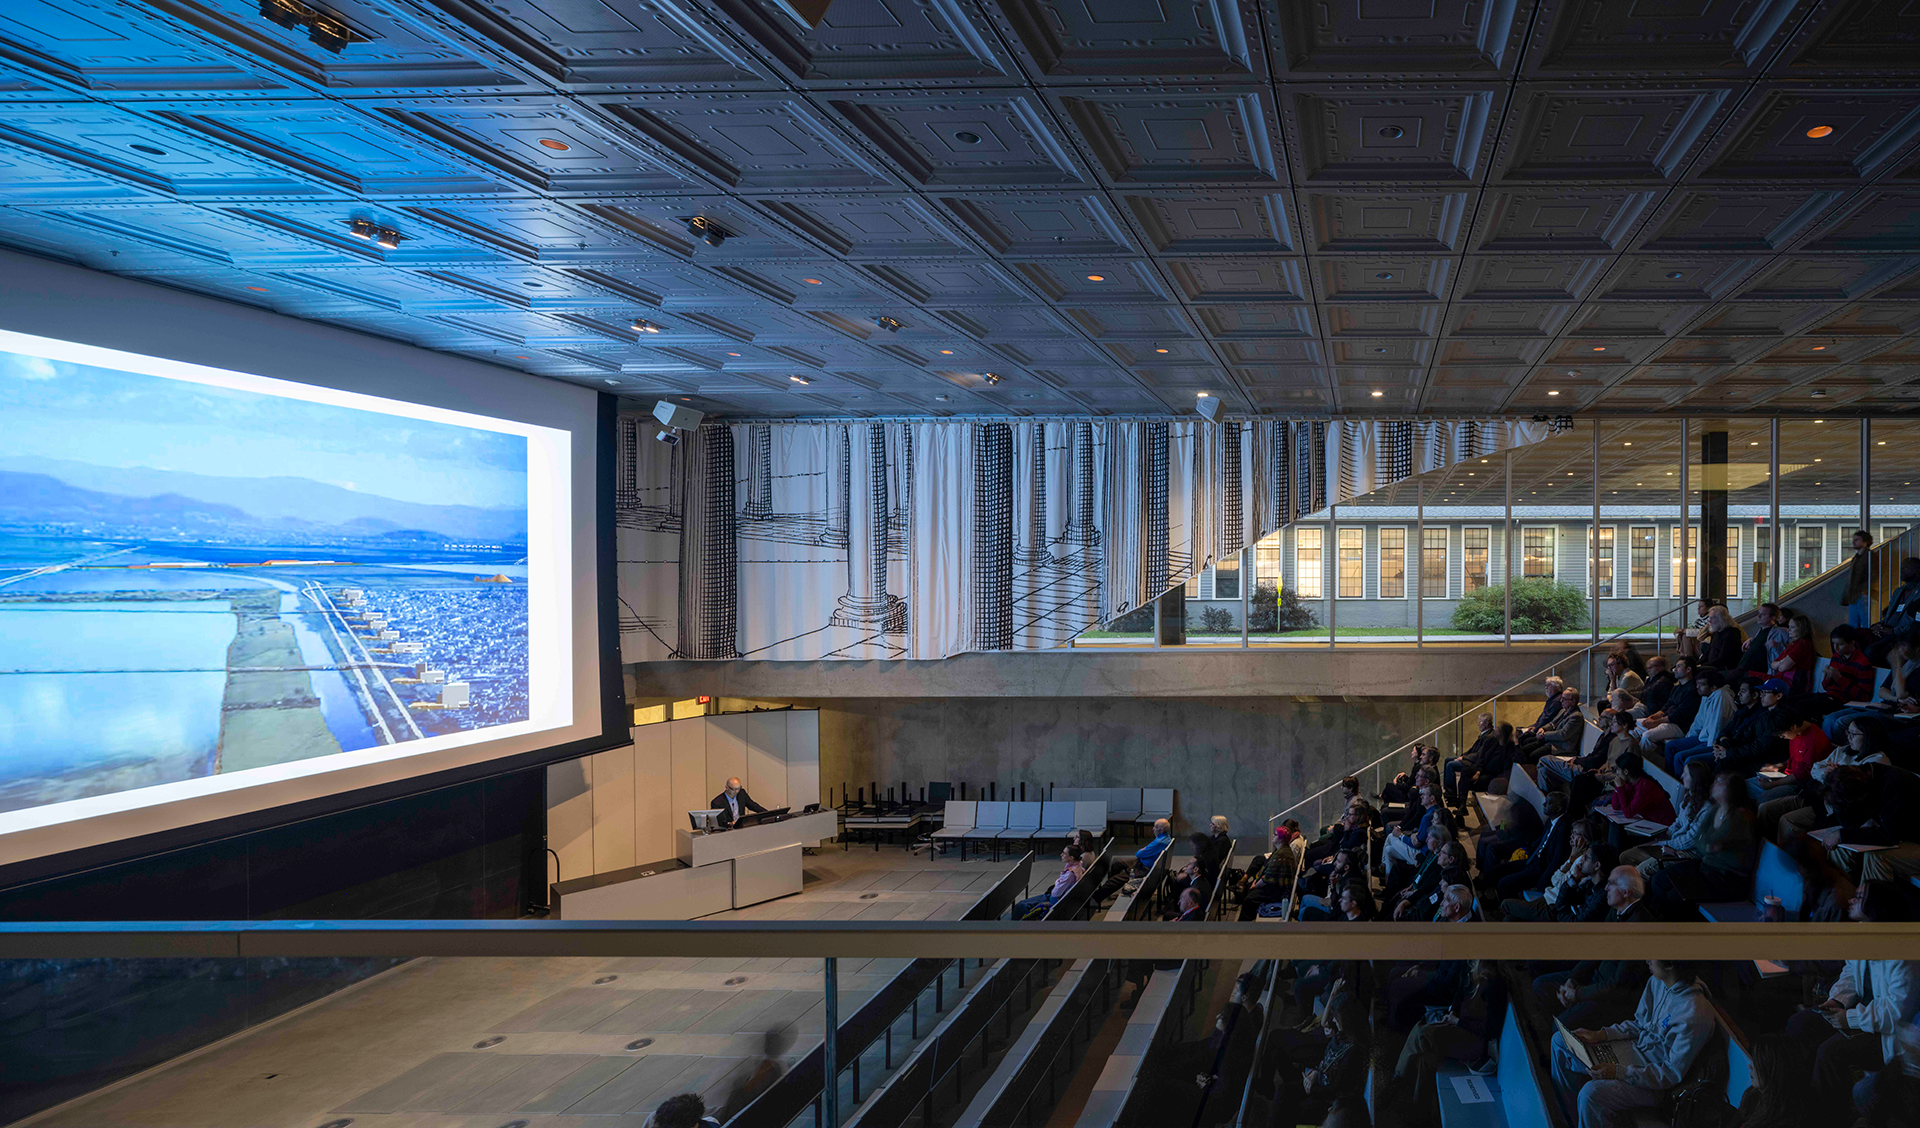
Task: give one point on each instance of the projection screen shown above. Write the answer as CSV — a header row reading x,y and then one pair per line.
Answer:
x,y
225,591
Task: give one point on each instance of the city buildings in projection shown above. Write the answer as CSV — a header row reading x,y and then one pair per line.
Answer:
x,y
198,579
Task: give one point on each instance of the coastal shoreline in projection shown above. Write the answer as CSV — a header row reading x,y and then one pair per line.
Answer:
x,y
197,580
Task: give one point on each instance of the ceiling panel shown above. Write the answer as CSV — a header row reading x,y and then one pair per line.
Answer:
x,y
1113,207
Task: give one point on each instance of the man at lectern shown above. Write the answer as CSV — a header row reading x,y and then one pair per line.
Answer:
x,y
734,802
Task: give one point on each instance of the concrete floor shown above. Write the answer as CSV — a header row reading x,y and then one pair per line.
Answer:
x,y
539,1042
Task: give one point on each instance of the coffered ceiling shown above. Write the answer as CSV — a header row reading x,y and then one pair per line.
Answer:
x,y
1111,206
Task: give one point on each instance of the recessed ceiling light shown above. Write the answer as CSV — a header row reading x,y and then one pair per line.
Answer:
x,y
1376,395
1817,460
1599,348
1753,444
1819,420
946,352
1818,394
523,358
1161,351
733,354
1626,444
533,285
1203,395
556,146
258,289
1882,442
1096,278
811,281
642,325
800,379
1817,348
1553,393
943,399
990,378
611,381
1819,131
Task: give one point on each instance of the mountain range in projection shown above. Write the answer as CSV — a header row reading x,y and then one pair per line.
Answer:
x,y
43,489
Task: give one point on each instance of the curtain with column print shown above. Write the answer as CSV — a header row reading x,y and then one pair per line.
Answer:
x,y
884,539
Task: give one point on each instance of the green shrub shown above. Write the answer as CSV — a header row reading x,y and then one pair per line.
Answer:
x,y
1216,620
1295,614
1137,621
1540,606
1273,610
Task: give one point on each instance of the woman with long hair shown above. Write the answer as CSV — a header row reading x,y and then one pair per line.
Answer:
x,y
1723,870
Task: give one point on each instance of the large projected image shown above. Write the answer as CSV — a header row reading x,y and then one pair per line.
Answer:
x,y
202,576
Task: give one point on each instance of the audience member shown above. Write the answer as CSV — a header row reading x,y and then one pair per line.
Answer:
x,y
1761,648
1633,658
1554,686
1637,795
1444,867
1456,906
1722,646
1560,736
1406,849
1350,834
1871,997
1318,890
1622,676
1872,826
1461,1032
1902,614
687,1110
1669,1028
1788,785
1460,770
1722,868
1510,879
1597,990
1777,1096
1677,716
1072,869
1336,1087
1220,846
1716,705
1270,876
1747,740
1688,639
1659,687
1885,700
1616,738
1150,853
1796,662
1854,595
1579,838
1695,806
1849,675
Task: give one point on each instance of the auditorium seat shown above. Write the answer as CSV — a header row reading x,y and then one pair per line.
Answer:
x,y
1123,806
1056,821
989,819
1091,814
1023,822
1775,873
1155,803
958,821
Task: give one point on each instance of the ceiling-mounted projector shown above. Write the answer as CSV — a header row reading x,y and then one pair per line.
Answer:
x,y
674,419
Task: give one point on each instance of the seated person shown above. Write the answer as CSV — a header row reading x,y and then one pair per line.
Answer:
x,y
1899,619
732,802
1682,835
1637,795
1616,737
1584,900
1748,738
1795,663
1904,655
1559,737
1444,867
1270,876
1145,856
1621,676
1458,770
1676,716
1351,836
1516,831
1456,906
1722,646
688,1110
1865,744
1722,869
1458,1034
1336,1087
1219,845
1554,686
1072,869
1349,794
1317,891
1598,991
1189,908
1849,675
1858,1026
1716,706
1544,855
1191,876
1659,687
1669,1028
1874,805
1406,849
1402,787
1579,838
1793,788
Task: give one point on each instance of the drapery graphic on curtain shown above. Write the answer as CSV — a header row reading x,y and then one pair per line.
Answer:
x,y
891,539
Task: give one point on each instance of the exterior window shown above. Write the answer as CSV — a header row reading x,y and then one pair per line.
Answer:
x,y
1306,563
1603,566
1433,562
1682,563
1475,543
1393,563
1193,586
1813,553
1536,552
1353,565
1733,562
1640,540
1226,578
1890,532
1266,563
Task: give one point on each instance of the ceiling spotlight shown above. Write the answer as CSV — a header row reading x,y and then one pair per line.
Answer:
x,y
608,380
733,354
800,379
642,325
1377,395
386,238
326,30
887,323
1599,348
258,289
361,228
706,230
1820,131
946,352
1096,278
990,378
1202,395
943,399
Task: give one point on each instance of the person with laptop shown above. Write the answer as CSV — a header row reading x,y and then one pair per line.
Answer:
x,y
1858,1026
1635,1064
733,802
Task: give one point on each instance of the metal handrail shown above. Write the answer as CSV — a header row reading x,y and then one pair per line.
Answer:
x,y
1545,671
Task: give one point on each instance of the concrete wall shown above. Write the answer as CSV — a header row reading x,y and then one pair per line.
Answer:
x,y
1243,757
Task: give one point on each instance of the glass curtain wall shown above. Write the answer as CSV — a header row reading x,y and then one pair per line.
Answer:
x,y
1552,514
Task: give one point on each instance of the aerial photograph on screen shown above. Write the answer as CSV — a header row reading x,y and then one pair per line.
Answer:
x,y
197,580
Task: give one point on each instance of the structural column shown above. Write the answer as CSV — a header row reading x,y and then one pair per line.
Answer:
x,y
1713,516
867,603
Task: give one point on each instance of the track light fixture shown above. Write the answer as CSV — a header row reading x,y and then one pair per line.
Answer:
x,y
706,230
887,323
990,378
385,238
642,325
327,31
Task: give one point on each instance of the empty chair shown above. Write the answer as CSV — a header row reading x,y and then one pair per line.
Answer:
x,y
958,821
989,819
1090,814
938,793
1155,803
1056,820
1023,822
1065,794
1123,805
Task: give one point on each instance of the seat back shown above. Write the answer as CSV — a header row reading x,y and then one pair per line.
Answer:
x,y
939,792
990,816
1090,814
1023,816
1820,673
1659,775
1589,737
1880,679
1156,802
1063,794
960,814
1057,817
1776,873
1123,802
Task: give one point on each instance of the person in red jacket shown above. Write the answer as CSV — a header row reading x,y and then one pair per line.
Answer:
x,y
1638,795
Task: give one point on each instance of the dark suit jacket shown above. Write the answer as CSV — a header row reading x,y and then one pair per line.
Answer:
x,y
726,813
1549,853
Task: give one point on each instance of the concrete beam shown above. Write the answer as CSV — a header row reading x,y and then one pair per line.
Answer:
x,y
1434,671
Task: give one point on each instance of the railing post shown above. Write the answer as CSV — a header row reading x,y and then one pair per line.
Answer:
x,y
830,1048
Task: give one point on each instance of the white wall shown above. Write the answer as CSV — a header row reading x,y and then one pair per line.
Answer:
x,y
620,808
